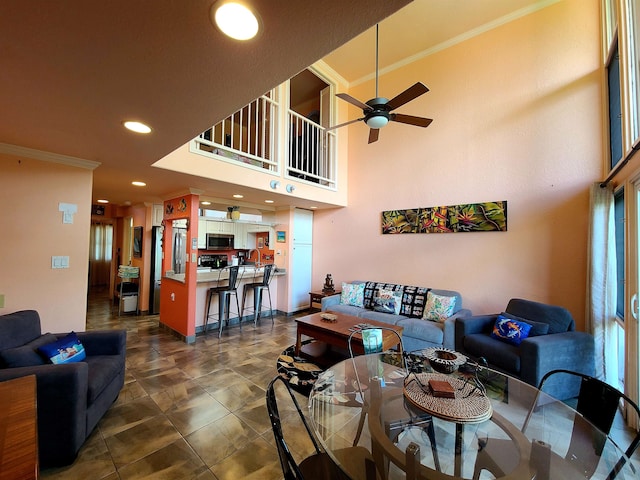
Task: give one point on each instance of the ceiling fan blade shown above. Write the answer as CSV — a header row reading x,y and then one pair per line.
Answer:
x,y
410,120
409,94
353,101
344,124
373,135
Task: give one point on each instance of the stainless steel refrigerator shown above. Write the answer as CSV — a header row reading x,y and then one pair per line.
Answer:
x,y
156,270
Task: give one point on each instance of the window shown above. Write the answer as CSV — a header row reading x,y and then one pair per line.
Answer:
x,y
615,112
620,256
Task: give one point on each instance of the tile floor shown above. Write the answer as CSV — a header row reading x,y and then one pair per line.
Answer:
x,y
186,411
191,411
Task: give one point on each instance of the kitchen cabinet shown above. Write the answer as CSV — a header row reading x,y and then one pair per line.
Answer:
x,y
214,226
202,233
157,214
240,236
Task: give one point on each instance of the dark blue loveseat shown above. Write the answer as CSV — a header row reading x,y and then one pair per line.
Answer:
x,y
71,397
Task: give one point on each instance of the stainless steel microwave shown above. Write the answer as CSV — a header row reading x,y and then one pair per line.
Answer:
x,y
219,241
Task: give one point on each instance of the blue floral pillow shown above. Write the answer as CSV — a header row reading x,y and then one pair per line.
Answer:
x,y
352,294
510,330
438,307
66,350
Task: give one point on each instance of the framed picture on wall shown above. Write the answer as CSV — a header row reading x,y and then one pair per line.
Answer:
x,y
137,242
260,242
280,236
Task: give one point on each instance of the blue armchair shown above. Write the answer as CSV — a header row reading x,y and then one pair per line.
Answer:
x,y
72,397
553,343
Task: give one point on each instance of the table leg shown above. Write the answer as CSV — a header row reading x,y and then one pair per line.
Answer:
x,y
298,342
457,466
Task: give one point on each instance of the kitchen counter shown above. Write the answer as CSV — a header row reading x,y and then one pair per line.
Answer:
x,y
215,275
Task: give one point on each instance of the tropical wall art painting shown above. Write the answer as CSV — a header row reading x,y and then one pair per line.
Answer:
x,y
471,217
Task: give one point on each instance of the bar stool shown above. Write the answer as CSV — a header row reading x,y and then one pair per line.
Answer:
x,y
257,288
224,298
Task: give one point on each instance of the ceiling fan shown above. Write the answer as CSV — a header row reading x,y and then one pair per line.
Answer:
x,y
378,111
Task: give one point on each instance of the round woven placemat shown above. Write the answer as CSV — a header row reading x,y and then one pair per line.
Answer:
x,y
468,406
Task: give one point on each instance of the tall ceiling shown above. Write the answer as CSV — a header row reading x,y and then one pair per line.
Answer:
x,y
71,72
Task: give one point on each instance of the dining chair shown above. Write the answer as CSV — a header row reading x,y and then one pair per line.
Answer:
x,y
318,466
372,342
258,289
224,292
598,404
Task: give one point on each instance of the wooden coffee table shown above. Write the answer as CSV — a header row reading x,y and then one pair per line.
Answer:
x,y
337,333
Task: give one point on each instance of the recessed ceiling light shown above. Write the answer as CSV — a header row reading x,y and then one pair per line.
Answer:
x,y
237,195
268,201
313,207
139,184
235,19
137,127
103,201
205,203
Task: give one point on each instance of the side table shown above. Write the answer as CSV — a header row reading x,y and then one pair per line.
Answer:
x,y
316,297
18,429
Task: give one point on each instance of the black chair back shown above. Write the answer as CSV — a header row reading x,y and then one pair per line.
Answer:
x,y
290,468
598,403
268,270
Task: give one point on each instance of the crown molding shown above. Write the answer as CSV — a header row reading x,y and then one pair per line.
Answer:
x,y
34,154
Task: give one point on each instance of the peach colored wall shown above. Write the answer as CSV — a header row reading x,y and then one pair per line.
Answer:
x,y
517,117
33,232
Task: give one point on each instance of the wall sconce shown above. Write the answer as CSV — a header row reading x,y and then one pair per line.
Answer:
x,y
290,188
274,184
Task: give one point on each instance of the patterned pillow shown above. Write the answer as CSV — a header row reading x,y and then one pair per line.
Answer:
x,y
371,291
438,307
352,294
66,350
387,301
413,301
510,330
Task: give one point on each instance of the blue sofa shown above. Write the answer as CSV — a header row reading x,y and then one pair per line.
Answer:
x,y
72,397
417,333
560,347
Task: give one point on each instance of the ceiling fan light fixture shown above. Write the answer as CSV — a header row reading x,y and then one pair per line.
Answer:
x,y
235,19
377,121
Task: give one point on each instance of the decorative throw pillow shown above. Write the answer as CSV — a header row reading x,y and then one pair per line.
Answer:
x,y
438,307
510,330
66,350
387,301
537,328
352,294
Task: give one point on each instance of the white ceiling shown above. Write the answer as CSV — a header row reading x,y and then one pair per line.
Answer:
x,y
72,71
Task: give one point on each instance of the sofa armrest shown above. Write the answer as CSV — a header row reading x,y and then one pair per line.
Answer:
x,y
469,325
449,328
569,350
62,408
329,301
104,342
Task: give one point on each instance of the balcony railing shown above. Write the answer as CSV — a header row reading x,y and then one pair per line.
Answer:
x,y
311,151
249,137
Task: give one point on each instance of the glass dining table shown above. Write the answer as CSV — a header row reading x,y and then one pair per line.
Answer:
x,y
487,430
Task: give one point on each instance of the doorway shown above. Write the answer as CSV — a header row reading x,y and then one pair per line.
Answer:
x,y
100,254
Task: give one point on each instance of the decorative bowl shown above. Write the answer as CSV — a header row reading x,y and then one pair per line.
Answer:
x,y
444,360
